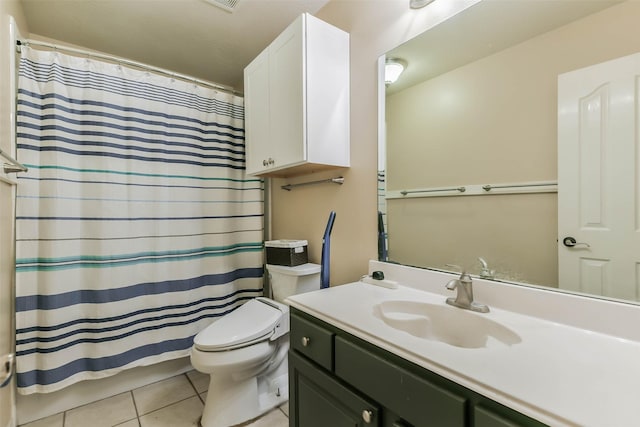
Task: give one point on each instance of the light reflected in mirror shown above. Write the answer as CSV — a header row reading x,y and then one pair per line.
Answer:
x,y
500,142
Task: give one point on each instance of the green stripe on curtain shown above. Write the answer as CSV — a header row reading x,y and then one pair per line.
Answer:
x,y
136,225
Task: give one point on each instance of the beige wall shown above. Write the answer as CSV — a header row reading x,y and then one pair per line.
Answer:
x,y
375,26
492,121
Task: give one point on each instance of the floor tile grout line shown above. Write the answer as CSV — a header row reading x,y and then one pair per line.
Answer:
x,y
139,416
191,382
282,410
135,406
196,390
169,404
128,421
166,406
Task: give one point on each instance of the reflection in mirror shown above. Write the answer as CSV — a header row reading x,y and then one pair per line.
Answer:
x,y
501,137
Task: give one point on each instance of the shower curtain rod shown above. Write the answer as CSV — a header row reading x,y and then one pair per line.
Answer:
x,y
119,60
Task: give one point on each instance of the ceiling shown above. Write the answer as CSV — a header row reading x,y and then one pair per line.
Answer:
x,y
475,33
191,37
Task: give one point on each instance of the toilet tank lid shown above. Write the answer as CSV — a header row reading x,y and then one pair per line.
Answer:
x,y
252,320
299,270
283,243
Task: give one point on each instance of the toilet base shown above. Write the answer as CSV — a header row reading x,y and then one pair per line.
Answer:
x,y
230,402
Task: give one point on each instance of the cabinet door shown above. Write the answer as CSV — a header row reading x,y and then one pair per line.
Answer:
x,y
256,107
485,417
318,400
420,401
286,104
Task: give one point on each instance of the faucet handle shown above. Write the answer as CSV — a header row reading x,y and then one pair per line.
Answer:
x,y
486,272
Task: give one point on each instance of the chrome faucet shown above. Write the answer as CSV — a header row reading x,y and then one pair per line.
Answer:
x,y
486,272
464,297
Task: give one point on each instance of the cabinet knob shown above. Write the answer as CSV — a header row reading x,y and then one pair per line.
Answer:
x,y
271,161
305,341
367,416
265,163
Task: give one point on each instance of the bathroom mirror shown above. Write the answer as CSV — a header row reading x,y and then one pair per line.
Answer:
x,y
469,164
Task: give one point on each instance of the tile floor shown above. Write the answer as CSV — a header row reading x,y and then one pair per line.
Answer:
x,y
174,402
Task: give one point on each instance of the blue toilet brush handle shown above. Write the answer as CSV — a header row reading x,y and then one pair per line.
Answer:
x,y
326,252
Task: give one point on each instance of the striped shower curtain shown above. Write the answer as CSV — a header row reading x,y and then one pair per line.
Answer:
x,y
136,225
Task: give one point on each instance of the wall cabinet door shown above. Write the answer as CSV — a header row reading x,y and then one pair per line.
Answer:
x,y
257,117
297,101
286,103
318,400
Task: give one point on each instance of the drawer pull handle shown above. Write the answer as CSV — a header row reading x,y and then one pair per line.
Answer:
x,y
305,341
367,416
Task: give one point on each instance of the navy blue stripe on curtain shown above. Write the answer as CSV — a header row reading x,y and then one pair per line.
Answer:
x,y
94,79
34,377
136,224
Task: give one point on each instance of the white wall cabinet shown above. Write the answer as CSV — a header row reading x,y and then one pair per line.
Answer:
x,y
297,101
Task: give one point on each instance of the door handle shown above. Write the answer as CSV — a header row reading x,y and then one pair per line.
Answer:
x,y
570,242
6,369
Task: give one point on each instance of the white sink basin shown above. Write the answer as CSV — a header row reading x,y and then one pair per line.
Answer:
x,y
443,323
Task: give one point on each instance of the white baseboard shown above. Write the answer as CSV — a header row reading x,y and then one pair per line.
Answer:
x,y
36,406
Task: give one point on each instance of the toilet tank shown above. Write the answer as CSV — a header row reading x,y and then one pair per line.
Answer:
x,y
286,281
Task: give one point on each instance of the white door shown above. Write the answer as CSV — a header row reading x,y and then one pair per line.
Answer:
x,y
7,272
598,172
7,211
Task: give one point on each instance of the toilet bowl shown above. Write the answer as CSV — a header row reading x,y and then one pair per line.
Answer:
x,y
245,352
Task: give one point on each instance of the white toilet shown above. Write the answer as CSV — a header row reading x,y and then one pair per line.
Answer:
x,y
245,351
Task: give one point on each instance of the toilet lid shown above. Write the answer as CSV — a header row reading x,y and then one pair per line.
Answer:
x,y
252,320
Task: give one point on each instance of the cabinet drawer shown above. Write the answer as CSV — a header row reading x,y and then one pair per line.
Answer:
x,y
420,402
312,340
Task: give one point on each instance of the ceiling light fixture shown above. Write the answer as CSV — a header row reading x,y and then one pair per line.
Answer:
x,y
393,67
418,4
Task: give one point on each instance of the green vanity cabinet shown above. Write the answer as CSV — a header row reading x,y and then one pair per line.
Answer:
x,y
337,379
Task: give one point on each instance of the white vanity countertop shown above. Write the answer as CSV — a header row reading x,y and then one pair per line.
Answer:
x,y
558,374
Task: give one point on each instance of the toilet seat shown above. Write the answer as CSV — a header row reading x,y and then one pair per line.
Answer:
x,y
254,321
